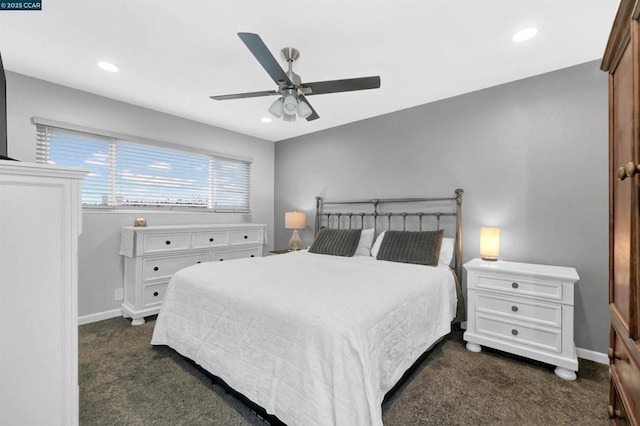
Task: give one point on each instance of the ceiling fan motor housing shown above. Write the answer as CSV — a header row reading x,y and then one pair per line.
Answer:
x,y
290,54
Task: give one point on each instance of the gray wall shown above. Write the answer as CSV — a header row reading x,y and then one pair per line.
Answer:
x,y
531,156
100,266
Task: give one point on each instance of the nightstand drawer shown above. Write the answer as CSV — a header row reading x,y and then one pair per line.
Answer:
x,y
154,293
516,285
520,309
236,254
210,239
519,333
153,269
154,243
244,236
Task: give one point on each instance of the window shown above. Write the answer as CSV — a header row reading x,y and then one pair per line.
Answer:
x,y
130,174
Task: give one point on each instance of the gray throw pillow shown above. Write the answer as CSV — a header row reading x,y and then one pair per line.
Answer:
x,y
411,247
336,242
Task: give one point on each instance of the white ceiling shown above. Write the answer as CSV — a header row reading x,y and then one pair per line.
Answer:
x,y
174,54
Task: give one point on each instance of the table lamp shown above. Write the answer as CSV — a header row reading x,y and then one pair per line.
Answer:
x,y
489,243
295,221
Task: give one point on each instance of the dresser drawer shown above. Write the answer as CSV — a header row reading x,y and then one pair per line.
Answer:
x,y
625,374
616,409
209,239
520,309
155,243
516,285
244,236
164,267
236,254
153,293
519,333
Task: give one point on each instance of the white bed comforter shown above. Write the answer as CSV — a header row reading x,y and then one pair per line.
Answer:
x,y
313,339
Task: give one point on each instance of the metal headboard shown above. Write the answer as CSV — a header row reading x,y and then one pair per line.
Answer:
x,y
346,219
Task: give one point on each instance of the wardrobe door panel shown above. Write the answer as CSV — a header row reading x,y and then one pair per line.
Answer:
x,y
621,152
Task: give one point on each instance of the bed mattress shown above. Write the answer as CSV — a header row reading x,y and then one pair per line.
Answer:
x,y
313,339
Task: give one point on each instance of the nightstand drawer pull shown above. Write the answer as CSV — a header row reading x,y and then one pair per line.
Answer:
x,y
221,260
167,242
514,308
514,332
514,285
198,261
155,293
253,255
210,240
246,237
155,268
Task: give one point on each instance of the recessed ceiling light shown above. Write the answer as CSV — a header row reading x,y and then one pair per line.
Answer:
x,y
108,66
525,34
266,120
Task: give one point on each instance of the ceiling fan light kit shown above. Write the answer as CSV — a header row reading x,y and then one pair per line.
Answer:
x,y
290,104
291,90
303,109
276,108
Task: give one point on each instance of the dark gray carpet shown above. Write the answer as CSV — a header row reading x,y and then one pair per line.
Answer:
x,y
126,381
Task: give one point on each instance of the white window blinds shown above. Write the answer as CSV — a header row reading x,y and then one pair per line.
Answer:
x,y
130,174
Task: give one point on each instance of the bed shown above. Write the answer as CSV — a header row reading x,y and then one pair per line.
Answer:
x,y
316,338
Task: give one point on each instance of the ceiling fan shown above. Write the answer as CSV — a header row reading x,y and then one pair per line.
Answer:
x,y
291,90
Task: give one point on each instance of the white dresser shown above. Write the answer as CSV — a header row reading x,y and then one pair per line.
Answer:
x,y
40,220
524,309
153,254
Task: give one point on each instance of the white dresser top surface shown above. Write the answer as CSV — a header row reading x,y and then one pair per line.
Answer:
x,y
530,269
192,227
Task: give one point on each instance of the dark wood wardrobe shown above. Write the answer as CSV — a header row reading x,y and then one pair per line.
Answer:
x,y
622,62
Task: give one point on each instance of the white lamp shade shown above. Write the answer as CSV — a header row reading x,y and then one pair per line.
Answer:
x,y
295,220
289,117
489,243
304,110
276,108
290,104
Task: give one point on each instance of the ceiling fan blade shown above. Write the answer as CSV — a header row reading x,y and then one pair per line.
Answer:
x,y
314,115
347,85
266,59
244,95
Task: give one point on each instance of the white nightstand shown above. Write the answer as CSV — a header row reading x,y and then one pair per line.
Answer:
x,y
524,309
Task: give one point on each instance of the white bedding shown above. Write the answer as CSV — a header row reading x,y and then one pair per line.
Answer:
x,y
313,339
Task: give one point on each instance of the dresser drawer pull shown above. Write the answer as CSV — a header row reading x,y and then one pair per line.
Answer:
x,y
613,414
155,293
619,356
199,261
514,285
155,268
221,260
245,237
210,240
167,242
514,308
514,332
253,255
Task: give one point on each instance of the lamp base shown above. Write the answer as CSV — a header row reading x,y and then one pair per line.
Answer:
x,y
490,259
295,242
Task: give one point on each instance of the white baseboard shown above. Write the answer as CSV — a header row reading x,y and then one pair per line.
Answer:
x,y
592,355
86,319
